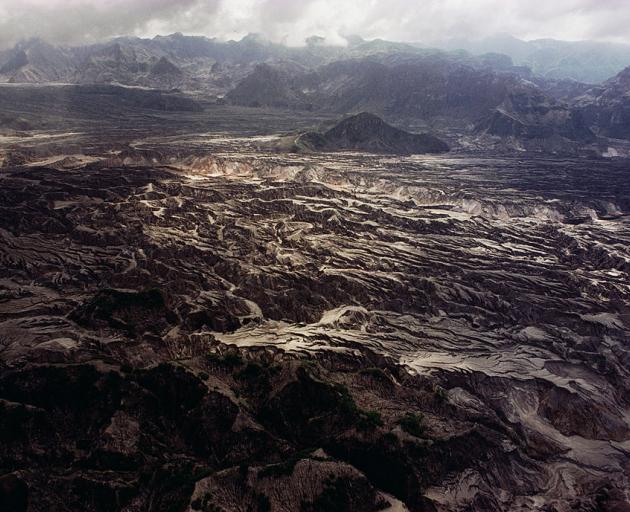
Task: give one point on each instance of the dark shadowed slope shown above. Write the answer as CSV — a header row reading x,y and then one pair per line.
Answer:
x,y
607,107
368,132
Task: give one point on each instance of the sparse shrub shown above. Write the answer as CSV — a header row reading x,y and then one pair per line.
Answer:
x,y
346,402
255,377
412,424
252,372
440,394
369,420
365,420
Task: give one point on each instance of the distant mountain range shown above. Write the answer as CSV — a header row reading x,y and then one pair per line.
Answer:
x,y
208,64
584,61
420,88
437,92
190,62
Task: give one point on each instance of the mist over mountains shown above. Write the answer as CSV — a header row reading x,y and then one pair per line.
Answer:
x,y
583,61
527,96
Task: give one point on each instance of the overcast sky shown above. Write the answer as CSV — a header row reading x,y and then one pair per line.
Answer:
x,y
290,21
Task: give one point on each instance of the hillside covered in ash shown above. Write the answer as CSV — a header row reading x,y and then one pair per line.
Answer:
x,y
192,324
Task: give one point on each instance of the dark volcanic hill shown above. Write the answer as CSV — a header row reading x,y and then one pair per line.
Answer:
x,y
368,132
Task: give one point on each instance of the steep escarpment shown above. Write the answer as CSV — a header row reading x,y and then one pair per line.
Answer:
x,y
607,107
529,116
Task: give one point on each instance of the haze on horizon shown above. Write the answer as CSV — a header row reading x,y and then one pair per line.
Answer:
x,y
75,22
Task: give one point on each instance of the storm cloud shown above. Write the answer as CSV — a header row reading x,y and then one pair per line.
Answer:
x,y
291,21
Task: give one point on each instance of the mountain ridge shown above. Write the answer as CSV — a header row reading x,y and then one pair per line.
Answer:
x,y
420,88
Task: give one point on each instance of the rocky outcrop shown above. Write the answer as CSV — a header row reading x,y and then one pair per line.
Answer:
x,y
607,107
165,68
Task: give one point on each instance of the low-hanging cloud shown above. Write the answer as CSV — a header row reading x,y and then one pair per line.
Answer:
x,y
291,21
84,21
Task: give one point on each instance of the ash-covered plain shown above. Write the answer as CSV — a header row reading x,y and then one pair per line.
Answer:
x,y
191,322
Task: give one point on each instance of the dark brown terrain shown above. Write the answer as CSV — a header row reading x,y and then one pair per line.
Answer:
x,y
188,322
